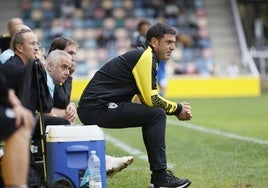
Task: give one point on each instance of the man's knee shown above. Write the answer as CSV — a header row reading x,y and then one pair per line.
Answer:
x,y
159,114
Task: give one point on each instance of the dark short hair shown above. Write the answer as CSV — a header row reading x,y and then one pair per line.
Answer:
x,y
158,31
61,43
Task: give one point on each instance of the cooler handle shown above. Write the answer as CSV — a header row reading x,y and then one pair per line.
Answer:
x,y
76,148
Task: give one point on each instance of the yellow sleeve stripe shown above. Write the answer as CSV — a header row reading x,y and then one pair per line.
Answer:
x,y
149,96
144,82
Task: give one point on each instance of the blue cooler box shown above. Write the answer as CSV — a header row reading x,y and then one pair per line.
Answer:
x,y
67,152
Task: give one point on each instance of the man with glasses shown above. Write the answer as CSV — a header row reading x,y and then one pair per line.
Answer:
x,y
26,47
22,76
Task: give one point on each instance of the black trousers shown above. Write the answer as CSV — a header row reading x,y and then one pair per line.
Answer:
x,y
7,123
124,115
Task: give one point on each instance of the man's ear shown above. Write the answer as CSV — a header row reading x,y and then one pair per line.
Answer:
x,y
19,48
154,41
49,67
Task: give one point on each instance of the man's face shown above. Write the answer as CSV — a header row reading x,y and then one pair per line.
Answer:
x,y
144,29
164,47
72,50
29,47
60,71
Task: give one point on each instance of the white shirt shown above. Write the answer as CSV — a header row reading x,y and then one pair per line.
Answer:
x,y
6,55
50,85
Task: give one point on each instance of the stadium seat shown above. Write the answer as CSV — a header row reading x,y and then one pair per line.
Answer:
x,y
107,26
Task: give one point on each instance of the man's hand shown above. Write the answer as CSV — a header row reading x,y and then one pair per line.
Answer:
x,y
41,56
71,113
186,113
72,69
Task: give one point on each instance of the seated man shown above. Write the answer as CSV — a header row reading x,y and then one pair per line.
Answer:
x,y
19,69
64,108
107,100
16,127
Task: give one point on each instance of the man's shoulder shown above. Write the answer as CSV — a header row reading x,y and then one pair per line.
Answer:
x,y
134,54
5,55
14,60
13,63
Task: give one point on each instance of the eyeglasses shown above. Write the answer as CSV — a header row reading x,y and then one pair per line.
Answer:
x,y
34,43
72,53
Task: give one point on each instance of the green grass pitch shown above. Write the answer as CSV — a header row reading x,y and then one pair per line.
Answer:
x,y
225,145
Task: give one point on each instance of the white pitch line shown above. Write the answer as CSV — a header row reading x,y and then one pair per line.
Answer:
x,y
126,148
217,132
132,151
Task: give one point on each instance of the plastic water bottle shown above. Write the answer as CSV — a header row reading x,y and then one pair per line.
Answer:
x,y
94,170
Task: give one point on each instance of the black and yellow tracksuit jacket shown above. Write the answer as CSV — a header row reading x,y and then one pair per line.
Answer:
x,y
134,72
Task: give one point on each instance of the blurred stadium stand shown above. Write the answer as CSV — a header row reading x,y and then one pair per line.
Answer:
x,y
8,9
208,33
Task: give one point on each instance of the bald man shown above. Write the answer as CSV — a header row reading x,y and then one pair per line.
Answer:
x,y
10,51
6,37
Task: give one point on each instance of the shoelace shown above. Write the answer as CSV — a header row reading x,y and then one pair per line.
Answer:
x,y
170,173
170,176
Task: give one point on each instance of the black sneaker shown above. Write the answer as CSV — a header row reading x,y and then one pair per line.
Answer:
x,y
168,181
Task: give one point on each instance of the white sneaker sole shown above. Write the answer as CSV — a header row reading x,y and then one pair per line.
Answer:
x,y
182,186
111,172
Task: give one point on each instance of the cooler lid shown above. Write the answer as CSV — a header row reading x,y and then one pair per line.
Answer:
x,y
61,133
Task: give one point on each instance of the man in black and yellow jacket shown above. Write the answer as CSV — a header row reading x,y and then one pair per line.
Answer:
x,y
107,99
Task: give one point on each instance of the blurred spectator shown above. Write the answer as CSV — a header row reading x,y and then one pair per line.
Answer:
x,y
96,24
6,38
67,8
5,55
162,77
232,69
57,28
139,36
